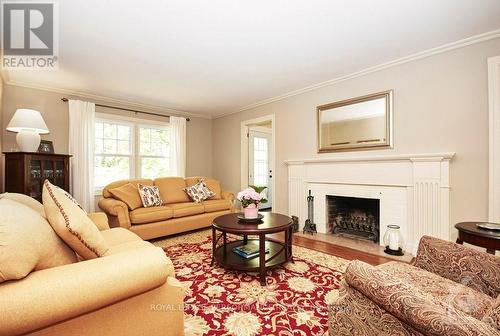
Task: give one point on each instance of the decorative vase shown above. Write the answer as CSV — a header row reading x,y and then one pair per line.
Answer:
x,y
251,212
393,240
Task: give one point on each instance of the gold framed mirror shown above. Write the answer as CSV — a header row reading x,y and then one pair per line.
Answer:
x,y
356,124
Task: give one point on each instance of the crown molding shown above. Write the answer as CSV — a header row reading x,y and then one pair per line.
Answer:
x,y
103,99
410,58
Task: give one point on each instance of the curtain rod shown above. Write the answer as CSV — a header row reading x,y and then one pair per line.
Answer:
x,y
126,109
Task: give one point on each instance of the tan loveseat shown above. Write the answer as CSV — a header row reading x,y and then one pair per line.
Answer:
x,y
177,214
129,291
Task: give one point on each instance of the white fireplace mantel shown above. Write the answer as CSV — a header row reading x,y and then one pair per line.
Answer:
x,y
413,190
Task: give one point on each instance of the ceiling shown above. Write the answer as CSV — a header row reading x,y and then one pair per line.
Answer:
x,y
217,57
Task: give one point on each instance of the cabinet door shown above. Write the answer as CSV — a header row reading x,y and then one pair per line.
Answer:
x,y
35,175
60,174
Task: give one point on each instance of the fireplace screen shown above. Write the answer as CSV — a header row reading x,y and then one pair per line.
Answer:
x,y
353,216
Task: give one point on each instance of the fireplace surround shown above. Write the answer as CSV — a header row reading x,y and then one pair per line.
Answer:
x,y
413,190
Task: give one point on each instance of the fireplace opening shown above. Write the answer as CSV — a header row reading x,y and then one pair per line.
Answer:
x,y
354,217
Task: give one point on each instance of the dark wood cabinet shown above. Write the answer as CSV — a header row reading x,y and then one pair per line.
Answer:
x,y
26,172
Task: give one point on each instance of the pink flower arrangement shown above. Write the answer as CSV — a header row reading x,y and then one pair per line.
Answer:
x,y
252,196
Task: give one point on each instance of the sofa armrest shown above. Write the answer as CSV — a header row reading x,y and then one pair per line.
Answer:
x,y
100,220
117,212
410,305
462,264
227,195
56,294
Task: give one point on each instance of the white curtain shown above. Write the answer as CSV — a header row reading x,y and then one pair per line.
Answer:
x,y
81,146
178,146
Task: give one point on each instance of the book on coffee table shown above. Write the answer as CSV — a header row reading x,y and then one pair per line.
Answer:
x,y
248,251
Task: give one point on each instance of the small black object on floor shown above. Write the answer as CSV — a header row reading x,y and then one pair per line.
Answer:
x,y
398,252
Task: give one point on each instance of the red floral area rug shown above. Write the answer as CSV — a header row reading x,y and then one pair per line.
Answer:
x,y
220,302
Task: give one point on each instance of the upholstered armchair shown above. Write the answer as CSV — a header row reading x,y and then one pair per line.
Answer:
x,y
449,290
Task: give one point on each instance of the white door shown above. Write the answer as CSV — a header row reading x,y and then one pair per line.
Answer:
x,y
259,159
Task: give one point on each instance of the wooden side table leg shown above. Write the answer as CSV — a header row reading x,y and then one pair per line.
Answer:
x,y
290,242
459,241
214,245
490,251
262,259
245,239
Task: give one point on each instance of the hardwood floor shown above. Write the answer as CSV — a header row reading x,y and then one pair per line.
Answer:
x,y
339,251
336,250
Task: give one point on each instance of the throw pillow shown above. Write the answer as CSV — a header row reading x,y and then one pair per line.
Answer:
x,y
128,194
211,183
30,202
70,197
199,192
150,196
72,224
27,242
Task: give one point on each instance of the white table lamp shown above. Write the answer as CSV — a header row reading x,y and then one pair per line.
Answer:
x,y
28,124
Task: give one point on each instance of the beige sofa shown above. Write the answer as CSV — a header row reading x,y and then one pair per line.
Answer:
x,y
129,291
177,214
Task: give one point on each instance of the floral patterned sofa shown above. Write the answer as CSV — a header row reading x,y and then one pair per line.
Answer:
x,y
449,290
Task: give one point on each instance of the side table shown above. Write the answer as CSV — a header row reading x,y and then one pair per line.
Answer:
x,y
468,232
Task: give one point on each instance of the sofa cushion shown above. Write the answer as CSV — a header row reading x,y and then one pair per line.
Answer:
x,y
186,209
212,184
28,242
172,189
30,202
128,194
117,236
461,297
492,316
216,205
152,214
72,224
116,184
127,246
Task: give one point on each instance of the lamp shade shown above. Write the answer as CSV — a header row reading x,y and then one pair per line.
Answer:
x,y
27,120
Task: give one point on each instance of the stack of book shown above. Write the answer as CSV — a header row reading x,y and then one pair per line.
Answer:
x,y
248,251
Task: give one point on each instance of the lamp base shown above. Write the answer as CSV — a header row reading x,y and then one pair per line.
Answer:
x,y
28,141
398,252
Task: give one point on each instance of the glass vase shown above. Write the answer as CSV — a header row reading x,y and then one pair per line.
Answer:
x,y
393,240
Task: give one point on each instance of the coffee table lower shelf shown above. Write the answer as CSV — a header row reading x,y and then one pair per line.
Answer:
x,y
225,256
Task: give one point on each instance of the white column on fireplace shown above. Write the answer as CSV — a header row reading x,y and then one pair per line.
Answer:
x,y
413,190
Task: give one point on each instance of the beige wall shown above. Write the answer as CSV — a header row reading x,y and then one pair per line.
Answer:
x,y
55,114
440,105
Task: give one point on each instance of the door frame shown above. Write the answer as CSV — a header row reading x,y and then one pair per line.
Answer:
x,y
494,138
244,151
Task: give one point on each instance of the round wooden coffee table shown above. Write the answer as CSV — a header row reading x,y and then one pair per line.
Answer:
x,y
279,253
469,232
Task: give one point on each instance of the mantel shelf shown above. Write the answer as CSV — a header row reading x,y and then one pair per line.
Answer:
x,y
378,158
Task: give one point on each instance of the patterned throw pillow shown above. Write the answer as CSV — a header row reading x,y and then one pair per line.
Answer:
x,y
71,198
150,195
199,192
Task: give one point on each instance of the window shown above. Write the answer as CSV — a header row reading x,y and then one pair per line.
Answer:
x,y
129,149
260,161
154,151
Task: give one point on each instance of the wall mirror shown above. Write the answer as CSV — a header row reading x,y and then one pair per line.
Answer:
x,y
355,124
